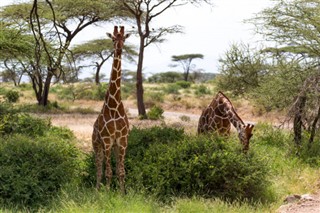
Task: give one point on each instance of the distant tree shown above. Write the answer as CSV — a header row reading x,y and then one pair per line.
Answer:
x,y
146,11
15,51
99,51
165,77
129,76
186,62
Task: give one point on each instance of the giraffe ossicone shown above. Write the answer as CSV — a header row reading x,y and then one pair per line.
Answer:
x,y
218,117
111,128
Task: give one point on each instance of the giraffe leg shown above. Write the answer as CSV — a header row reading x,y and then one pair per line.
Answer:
x,y
108,172
99,161
120,152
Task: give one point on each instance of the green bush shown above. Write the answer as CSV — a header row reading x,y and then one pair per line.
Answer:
x,y
172,89
193,165
12,96
166,163
270,136
22,123
128,89
155,113
34,169
99,92
202,90
184,84
155,97
25,87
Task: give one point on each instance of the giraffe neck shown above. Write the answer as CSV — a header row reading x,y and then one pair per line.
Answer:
x,y
229,111
236,121
114,89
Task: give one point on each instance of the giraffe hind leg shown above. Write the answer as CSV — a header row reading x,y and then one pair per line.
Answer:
x,y
108,171
120,151
98,161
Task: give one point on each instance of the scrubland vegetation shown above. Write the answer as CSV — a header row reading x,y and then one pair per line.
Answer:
x,y
168,169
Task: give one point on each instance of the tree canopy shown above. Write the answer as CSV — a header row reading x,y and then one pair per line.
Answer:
x,y
186,62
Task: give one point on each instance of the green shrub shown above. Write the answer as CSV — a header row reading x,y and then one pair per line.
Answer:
x,y
3,91
128,89
67,93
210,167
25,86
99,92
22,123
266,134
12,96
155,97
166,163
155,113
34,169
172,89
184,84
185,118
202,90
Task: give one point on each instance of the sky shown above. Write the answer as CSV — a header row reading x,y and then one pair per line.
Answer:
x,y
207,30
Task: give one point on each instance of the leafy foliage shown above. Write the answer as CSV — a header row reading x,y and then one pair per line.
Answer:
x,y
201,90
12,96
184,84
241,68
165,77
155,113
195,166
36,160
21,123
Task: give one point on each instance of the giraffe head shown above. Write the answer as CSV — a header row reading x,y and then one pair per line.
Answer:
x,y
118,38
244,135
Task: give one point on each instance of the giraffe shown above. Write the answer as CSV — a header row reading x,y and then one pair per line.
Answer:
x,y
111,129
219,115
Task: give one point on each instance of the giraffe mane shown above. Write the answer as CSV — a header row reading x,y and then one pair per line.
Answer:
x,y
233,109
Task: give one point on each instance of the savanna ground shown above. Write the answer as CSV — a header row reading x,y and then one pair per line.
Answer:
x,y
182,108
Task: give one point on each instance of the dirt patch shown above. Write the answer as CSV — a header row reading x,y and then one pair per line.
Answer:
x,y
301,204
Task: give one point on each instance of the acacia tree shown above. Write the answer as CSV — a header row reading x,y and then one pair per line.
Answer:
x,y
294,26
15,49
99,51
54,24
242,68
145,12
186,62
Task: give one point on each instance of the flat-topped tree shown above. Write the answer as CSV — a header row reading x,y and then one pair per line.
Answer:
x,y
98,51
54,25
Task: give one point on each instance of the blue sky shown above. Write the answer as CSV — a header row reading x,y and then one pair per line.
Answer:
x,y
208,30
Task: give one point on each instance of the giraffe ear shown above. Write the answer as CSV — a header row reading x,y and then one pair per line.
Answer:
x,y
110,35
127,35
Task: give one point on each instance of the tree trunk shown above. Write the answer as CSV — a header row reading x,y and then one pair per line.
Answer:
x,y
297,122
139,85
186,74
313,128
46,88
97,77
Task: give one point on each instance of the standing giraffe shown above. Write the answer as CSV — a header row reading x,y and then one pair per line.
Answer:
x,y
219,116
110,130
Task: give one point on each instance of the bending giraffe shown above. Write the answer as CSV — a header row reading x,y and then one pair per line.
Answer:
x,y
219,116
111,129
